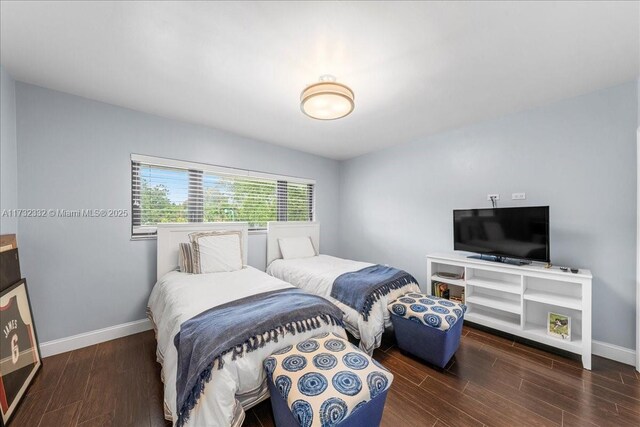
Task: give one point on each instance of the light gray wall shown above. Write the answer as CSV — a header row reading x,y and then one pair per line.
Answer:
x,y
8,152
578,156
85,274
395,205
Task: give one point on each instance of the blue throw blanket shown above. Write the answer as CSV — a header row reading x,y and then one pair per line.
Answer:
x,y
361,289
238,327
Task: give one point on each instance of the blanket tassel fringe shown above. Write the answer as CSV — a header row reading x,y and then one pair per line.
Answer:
x,y
383,290
248,346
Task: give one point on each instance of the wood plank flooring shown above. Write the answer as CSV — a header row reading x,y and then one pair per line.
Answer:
x,y
492,381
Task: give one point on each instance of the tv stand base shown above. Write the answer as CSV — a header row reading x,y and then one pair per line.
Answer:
x,y
517,299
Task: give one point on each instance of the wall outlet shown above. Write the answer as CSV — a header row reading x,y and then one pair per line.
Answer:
x,y
518,196
495,196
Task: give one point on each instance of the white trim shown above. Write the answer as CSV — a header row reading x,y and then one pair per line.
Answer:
x,y
252,231
613,352
222,170
62,345
75,342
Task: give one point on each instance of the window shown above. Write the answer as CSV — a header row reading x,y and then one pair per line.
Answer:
x,y
164,190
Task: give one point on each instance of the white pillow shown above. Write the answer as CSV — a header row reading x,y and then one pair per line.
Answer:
x,y
296,247
216,251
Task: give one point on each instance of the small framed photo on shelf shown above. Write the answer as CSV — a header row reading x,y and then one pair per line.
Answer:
x,y
559,326
19,350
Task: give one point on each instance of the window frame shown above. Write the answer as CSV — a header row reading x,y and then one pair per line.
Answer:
x,y
281,181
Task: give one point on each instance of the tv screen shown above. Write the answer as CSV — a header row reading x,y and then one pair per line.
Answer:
x,y
521,233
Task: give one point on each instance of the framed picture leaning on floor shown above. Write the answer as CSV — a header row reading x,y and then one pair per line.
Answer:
x,y
19,351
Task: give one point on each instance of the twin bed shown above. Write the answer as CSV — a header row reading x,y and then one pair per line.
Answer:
x,y
207,389
178,297
318,275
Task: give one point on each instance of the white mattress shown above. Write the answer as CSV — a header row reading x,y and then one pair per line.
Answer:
x,y
317,274
178,297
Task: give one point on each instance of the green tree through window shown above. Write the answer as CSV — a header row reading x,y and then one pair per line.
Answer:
x,y
239,200
298,202
163,194
157,208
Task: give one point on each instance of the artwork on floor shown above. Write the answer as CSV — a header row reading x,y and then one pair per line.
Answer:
x,y
19,352
8,242
559,326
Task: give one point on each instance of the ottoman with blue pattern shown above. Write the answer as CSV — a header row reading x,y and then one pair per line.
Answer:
x,y
427,327
326,381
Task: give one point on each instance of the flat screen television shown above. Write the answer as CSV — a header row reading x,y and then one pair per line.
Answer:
x,y
504,233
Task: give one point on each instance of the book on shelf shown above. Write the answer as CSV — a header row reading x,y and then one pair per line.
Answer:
x,y
458,298
442,290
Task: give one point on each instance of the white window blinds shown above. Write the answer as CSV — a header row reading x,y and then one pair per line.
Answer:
x,y
165,190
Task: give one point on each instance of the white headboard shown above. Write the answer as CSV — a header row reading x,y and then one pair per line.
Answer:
x,y
171,235
279,229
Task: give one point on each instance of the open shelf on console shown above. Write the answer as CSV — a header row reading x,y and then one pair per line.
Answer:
x,y
536,315
497,303
446,268
498,285
494,299
504,320
448,281
539,333
557,300
565,294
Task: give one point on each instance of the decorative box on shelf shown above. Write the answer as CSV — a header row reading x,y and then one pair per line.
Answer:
x,y
517,299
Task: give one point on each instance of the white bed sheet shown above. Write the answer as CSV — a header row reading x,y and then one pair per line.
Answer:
x,y
178,297
317,274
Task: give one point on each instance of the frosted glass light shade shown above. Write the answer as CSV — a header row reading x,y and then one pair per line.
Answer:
x,y
327,101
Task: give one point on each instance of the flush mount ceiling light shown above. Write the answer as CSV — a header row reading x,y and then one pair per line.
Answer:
x,y
327,100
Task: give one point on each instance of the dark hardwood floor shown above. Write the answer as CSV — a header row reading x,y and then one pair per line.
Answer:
x,y
491,381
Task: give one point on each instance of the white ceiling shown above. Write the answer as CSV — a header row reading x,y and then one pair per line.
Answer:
x,y
416,68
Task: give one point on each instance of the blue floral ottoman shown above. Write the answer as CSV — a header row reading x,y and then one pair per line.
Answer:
x,y
427,327
326,381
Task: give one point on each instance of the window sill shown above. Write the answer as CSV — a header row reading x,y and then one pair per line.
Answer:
x,y
154,237
138,238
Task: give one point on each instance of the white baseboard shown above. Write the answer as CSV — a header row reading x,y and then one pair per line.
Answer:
x,y
74,342
49,348
614,352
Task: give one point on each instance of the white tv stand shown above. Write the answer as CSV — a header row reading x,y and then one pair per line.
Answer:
x,y
517,299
